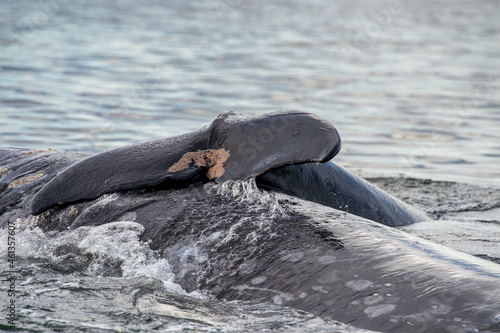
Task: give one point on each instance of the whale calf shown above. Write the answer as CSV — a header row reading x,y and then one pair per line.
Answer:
x,y
234,147
332,185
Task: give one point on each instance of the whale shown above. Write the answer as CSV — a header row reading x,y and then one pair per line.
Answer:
x,y
285,251
234,147
332,185
284,245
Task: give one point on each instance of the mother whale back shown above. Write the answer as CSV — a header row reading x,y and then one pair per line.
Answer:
x,y
232,147
310,257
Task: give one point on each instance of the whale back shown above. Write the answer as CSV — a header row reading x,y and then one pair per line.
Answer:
x,y
332,185
285,251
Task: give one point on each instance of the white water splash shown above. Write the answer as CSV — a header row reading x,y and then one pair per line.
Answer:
x,y
117,241
247,191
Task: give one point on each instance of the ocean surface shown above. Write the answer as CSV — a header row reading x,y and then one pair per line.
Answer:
x,y
412,87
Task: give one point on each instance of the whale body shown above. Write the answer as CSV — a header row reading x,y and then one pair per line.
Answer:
x,y
294,253
276,146
331,256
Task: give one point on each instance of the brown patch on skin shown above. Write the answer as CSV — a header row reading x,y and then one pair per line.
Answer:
x,y
25,180
4,171
73,211
217,158
213,159
31,152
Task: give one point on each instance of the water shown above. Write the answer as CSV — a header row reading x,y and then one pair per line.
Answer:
x,y
413,88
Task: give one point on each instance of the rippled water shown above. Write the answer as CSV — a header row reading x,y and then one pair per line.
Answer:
x,y
413,87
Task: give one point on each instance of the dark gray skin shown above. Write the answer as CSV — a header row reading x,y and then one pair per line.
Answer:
x,y
331,185
255,145
310,257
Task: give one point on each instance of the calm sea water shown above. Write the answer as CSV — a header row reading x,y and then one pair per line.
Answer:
x,y
413,87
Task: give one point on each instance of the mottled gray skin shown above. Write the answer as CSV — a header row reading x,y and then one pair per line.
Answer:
x,y
256,144
331,185
307,256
